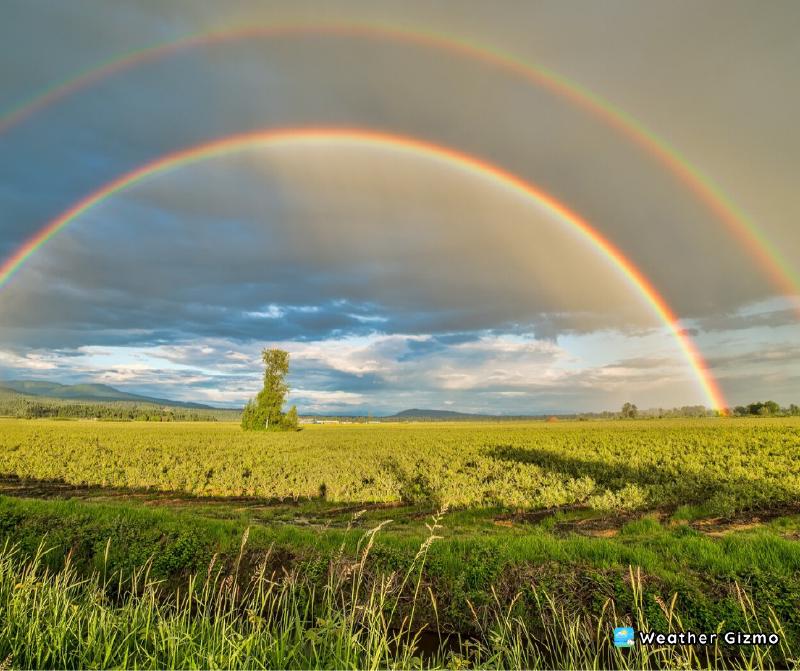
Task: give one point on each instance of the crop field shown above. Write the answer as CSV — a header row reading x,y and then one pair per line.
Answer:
x,y
502,544
725,465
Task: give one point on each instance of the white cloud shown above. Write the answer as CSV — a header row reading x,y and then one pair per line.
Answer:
x,y
316,397
271,312
37,361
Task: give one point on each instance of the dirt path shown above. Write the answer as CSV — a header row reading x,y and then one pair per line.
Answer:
x,y
327,514
604,526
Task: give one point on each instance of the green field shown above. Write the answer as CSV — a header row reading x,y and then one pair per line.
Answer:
x,y
723,465
550,534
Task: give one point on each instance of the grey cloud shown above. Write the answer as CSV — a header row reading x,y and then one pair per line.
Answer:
x,y
768,353
297,244
642,363
734,322
462,104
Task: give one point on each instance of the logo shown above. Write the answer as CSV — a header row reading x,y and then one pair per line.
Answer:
x,y
624,637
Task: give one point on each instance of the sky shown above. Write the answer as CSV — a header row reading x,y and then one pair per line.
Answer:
x,y
401,278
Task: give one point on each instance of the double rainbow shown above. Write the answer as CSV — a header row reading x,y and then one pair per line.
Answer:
x,y
769,258
466,162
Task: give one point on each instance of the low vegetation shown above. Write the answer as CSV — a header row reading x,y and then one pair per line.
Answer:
x,y
355,607
554,534
724,465
23,406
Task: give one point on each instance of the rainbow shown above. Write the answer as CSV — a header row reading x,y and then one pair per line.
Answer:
x,y
471,164
769,258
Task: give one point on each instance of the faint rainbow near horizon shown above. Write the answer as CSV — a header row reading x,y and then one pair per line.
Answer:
x,y
476,166
769,258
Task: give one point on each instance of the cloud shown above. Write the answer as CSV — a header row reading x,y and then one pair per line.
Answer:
x,y
749,320
337,81
787,353
484,373
30,361
315,400
278,268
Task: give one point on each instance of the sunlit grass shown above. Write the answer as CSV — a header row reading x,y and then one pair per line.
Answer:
x,y
222,618
723,466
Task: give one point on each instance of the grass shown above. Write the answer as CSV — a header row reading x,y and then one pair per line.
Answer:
x,y
219,618
726,465
508,581
466,580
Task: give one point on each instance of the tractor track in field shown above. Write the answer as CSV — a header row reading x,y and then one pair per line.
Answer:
x,y
599,526
11,485
606,526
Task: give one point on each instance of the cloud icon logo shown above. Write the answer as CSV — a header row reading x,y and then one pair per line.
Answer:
x,y
624,637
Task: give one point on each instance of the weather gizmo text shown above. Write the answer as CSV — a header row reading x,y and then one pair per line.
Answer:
x,y
693,638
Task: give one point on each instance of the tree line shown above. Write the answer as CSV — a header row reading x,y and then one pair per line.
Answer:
x,y
766,409
23,407
756,409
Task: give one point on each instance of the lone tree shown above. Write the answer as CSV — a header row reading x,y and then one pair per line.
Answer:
x,y
629,411
264,413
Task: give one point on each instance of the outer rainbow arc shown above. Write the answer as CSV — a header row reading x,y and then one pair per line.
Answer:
x,y
242,141
770,259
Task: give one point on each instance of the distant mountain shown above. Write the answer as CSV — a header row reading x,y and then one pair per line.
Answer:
x,y
88,392
452,415
416,413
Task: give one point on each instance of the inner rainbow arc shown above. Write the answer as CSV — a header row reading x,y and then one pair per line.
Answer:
x,y
238,142
781,273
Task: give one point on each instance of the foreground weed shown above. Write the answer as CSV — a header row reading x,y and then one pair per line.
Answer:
x,y
219,618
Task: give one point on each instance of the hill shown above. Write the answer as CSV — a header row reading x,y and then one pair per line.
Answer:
x,y
416,413
89,392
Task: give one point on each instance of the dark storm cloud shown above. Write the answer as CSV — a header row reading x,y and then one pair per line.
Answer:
x,y
117,125
327,379
325,267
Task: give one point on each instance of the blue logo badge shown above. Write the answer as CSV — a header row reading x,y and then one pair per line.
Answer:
x,y
624,637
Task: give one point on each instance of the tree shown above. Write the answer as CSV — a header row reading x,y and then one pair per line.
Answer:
x,y
290,420
764,409
265,411
629,411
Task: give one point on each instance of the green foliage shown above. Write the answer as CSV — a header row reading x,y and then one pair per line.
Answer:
x,y
766,409
38,407
542,595
254,418
290,420
265,412
344,615
463,571
727,465
630,497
